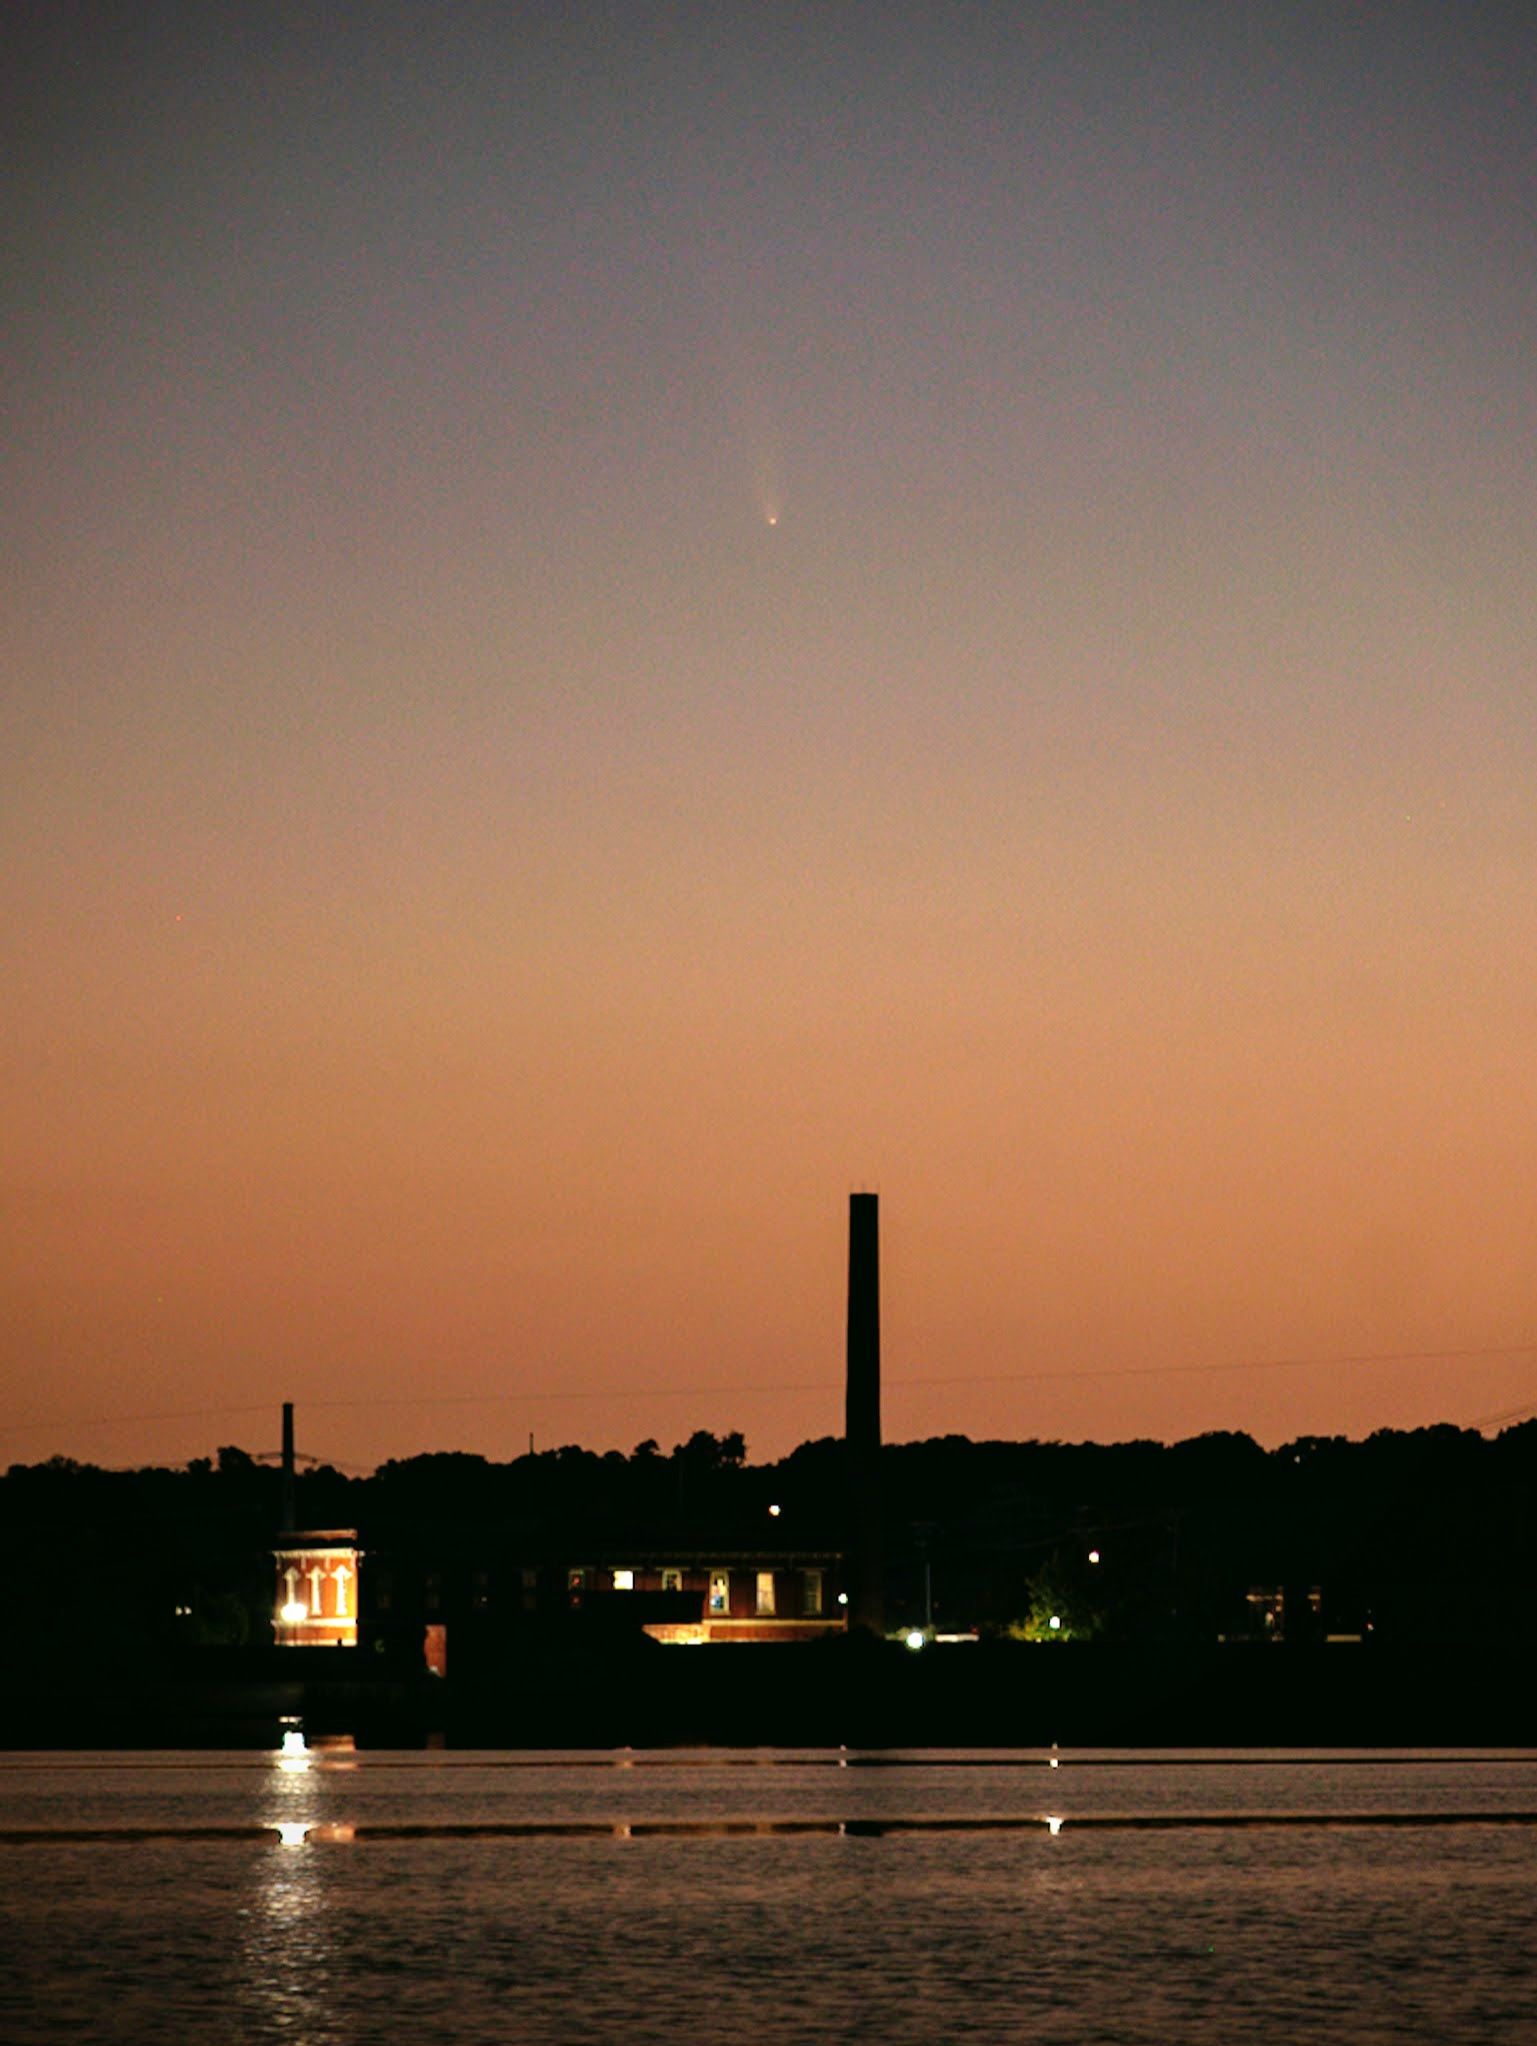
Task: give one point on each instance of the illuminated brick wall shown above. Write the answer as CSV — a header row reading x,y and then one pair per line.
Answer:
x,y
315,1597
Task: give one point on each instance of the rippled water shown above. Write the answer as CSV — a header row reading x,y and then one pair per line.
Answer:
x,y
770,1897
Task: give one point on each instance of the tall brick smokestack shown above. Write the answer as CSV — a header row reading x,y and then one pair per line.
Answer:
x,y
862,1417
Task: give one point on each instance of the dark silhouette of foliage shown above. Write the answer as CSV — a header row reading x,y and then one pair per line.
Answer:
x,y
1408,1534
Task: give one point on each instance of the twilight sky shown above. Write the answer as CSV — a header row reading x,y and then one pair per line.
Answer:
x,y
622,619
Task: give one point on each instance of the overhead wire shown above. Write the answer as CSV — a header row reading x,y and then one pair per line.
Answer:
x,y
521,1396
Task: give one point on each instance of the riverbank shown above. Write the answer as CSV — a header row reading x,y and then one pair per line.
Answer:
x,y
991,1694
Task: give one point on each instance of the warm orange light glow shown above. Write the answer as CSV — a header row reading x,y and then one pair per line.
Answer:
x,y
324,1566
1104,820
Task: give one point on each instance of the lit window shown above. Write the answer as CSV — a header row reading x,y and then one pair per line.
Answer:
x,y
811,1597
672,1580
766,1591
624,1580
720,1591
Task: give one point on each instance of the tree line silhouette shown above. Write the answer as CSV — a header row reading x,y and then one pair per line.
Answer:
x,y
1421,1535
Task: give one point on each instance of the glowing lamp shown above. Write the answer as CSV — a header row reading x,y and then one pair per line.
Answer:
x,y
1055,1622
914,1637
294,1612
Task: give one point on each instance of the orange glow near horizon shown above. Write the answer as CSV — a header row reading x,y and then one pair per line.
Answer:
x,y
475,902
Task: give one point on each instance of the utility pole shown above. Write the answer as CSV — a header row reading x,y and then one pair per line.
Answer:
x,y
288,1508
862,1417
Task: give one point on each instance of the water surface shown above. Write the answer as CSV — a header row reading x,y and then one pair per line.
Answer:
x,y
769,1896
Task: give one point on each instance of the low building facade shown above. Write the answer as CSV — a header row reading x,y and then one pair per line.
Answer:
x,y
315,1602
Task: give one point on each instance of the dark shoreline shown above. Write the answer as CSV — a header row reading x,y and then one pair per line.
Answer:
x,y
989,1695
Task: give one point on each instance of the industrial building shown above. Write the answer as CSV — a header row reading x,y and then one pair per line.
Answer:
x,y
476,1591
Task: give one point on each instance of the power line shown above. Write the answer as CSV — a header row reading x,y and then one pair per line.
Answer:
x,y
305,1456
1510,1414
1243,1364
134,1420
821,1385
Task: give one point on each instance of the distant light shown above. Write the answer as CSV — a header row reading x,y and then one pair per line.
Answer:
x,y
1094,1555
293,1757
291,1832
1053,1825
294,1612
1054,1622
776,1511
843,1598
1053,1763
914,1637
624,1580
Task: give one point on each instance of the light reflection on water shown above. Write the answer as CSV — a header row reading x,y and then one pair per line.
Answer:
x,y
437,1789
285,1960
694,1899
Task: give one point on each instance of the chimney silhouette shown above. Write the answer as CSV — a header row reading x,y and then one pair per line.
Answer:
x,y
862,1418
286,1503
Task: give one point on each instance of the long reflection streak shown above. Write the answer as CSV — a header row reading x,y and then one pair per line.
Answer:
x,y
286,1958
